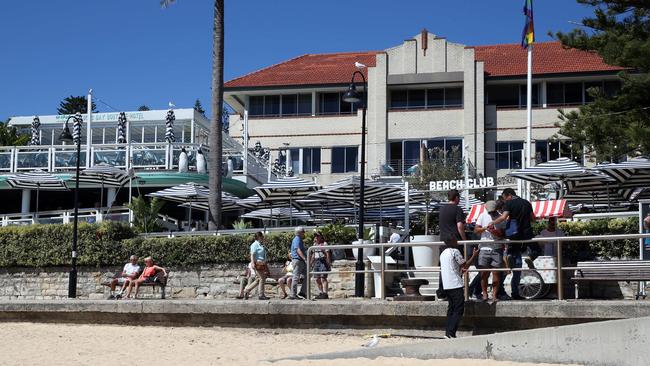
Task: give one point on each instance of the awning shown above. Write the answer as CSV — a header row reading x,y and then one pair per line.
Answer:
x,y
541,209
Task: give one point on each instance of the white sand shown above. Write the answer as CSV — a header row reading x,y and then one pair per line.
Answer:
x,y
68,344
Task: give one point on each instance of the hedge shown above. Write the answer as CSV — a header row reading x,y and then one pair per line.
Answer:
x,y
110,243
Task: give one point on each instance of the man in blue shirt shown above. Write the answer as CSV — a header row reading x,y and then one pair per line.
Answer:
x,y
298,261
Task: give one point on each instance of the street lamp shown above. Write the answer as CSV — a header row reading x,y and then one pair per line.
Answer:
x,y
353,96
76,138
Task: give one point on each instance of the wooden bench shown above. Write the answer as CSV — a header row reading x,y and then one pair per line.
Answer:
x,y
601,271
160,282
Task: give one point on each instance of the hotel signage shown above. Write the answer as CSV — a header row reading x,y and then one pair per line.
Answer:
x,y
107,117
445,185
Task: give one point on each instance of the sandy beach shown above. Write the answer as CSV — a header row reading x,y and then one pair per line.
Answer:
x,y
78,344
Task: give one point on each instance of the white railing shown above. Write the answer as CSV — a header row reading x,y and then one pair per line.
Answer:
x,y
91,215
143,156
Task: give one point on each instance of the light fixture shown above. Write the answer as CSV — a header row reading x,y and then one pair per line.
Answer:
x,y
352,95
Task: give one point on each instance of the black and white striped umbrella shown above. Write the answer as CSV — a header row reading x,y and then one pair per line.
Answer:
x,y
121,128
279,213
35,138
169,126
634,173
104,174
347,190
228,203
562,169
38,180
286,189
319,204
186,192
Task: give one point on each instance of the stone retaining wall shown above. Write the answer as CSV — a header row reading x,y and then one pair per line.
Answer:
x,y
206,281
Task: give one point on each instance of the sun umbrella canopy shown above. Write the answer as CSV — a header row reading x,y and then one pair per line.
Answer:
x,y
280,213
562,169
319,204
187,192
634,173
104,174
37,179
228,203
348,190
286,189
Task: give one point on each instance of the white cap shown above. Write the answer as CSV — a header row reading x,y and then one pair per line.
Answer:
x,y
299,229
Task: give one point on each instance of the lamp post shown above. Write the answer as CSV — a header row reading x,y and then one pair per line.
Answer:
x,y
353,96
76,138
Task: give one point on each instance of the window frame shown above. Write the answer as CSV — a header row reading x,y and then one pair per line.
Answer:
x,y
509,151
346,169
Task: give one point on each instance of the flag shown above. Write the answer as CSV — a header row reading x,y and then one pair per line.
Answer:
x,y
528,35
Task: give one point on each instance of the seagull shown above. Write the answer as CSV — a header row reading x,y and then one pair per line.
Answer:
x,y
373,342
171,105
182,161
359,65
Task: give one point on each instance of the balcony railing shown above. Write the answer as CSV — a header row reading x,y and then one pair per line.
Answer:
x,y
140,156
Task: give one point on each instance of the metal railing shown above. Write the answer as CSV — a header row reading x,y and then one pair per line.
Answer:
x,y
466,244
115,213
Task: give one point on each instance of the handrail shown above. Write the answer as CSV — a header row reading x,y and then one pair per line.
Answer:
x,y
559,240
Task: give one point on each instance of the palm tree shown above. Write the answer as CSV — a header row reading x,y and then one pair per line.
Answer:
x,y
216,138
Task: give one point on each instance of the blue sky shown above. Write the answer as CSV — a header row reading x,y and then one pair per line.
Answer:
x,y
133,52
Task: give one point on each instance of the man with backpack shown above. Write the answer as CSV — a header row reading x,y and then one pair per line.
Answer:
x,y
518,216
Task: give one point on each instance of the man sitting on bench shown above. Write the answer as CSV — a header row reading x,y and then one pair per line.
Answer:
x,y
147,276
129,273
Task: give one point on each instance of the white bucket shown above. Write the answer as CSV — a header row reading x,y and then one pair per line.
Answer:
x,y
366,251
425,256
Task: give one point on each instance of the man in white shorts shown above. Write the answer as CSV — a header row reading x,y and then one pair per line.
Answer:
x,y
490,254
129,273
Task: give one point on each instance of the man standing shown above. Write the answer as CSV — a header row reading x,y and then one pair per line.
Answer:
x,y
451,219
518,216
452,268
298,261
490,254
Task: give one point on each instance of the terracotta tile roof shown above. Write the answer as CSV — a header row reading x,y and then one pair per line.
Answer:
x,y
331,68
548,58
500,60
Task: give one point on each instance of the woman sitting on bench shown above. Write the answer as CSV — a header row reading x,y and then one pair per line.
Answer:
x,y
147,276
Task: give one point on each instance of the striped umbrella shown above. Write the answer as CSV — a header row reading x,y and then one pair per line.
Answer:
x,y
347,190
121,128
228,203
184,193
169,126
286,189
563,170
279,213
35,139
38,180
104,175
634,173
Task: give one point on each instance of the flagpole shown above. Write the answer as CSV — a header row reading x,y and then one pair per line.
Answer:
x,y
529,114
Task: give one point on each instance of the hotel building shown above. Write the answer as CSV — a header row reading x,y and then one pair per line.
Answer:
x,y
427,91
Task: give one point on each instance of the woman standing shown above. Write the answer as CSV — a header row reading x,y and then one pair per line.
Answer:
x,y
258,261
322,259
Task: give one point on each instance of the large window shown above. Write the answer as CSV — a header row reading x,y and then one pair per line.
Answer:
x,y
511,95
279,105
573,93
426,98
406,154
508,155
304,160
310,161
333,104
344,159
546,150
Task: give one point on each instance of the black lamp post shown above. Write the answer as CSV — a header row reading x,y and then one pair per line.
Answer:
x,y
76,138
353,96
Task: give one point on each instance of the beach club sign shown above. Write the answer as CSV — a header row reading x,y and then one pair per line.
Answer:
x,y
445,185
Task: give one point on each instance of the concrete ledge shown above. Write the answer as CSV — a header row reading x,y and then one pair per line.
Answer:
x,y
608,343
479,317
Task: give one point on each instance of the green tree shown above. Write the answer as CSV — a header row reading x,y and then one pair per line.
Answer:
x,y
216,122
436,165
72,105
198,107
9,135
143,108
145,213
619,124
